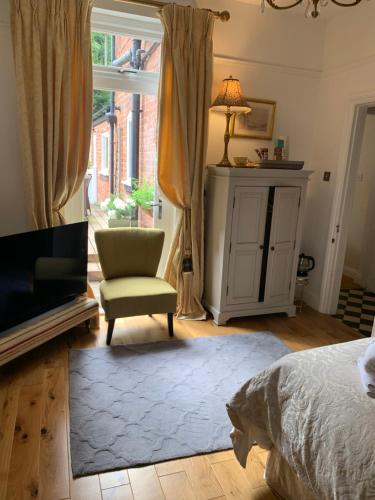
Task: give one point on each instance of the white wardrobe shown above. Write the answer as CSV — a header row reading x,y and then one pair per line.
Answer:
x,y
252,238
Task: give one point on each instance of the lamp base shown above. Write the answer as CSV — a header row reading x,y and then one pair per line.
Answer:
x,y
225,160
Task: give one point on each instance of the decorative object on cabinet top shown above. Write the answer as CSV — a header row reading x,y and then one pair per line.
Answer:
x,y
230,100
258,124
240,161
281,164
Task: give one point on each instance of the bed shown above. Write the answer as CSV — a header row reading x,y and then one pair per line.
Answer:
x,y
310,411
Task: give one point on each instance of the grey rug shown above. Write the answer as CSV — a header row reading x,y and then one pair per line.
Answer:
x,y
146,403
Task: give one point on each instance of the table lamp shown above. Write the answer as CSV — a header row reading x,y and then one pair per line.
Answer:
x,y
230,100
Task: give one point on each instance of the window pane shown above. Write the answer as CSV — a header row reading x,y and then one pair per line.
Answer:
x,y
101,103
125,52
123,150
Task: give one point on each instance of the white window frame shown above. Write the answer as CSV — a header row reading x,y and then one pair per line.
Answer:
x,y
94,151
104,170
129,121
120,23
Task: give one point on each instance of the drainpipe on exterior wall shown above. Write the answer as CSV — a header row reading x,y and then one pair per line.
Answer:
x,y
136,110
112,120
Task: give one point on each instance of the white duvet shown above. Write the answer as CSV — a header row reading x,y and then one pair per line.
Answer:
x,y
311,406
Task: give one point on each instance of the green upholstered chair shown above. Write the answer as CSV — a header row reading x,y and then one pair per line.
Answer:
x,y
129,258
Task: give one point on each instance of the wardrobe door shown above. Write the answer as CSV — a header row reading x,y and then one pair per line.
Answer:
x,y
246,247
282,245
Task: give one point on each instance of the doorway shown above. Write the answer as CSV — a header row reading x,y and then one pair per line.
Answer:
x,y
121,188
356,303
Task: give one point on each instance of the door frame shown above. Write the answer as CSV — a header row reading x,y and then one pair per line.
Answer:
x,y
347,170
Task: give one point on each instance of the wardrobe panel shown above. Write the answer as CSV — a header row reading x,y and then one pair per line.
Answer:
x,y
282,244
246,247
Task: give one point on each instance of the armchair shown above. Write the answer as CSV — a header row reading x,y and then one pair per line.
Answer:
x,y
129,259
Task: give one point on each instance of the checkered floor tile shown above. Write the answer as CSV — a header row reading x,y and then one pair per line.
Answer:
x,y
356,308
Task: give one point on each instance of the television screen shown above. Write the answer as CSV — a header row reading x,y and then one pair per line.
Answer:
x,y
41,270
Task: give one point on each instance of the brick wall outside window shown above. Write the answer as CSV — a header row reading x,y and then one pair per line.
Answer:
x,y
147,135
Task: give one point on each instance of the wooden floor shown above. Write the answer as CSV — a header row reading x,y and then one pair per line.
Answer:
x,y
34,423
349,283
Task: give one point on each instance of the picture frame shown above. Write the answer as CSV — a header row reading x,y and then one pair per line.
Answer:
x,y
258,124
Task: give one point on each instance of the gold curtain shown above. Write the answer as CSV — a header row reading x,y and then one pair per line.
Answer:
x,y
52,54
184,100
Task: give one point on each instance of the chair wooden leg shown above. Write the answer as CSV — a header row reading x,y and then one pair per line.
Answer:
x,y
111,325
170,324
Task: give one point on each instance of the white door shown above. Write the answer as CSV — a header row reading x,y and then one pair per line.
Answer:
x,y
247,240
282,245
93,171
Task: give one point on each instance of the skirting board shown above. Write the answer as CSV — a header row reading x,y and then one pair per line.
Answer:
x,y
24,337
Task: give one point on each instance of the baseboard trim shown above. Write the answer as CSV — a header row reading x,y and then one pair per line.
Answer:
x,y
311,299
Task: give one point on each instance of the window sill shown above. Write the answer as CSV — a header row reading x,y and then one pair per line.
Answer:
x,y
127,186
104,173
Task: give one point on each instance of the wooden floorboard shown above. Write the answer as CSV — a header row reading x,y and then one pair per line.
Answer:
x,y
34,419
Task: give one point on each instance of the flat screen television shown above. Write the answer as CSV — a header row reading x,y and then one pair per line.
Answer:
x,y
41,270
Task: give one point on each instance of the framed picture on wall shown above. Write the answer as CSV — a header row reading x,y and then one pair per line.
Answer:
x,y
258,123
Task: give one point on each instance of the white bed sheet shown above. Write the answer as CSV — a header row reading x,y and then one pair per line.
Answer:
x,y
311,407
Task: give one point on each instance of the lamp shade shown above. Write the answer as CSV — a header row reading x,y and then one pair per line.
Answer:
x,y
230,96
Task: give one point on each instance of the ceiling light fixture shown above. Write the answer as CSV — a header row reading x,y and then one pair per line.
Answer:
x,y
313,7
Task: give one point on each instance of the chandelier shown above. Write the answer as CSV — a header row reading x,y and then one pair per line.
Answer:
x,y
313,7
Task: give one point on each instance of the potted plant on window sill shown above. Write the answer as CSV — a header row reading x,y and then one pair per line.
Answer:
x,y
120,213
143,194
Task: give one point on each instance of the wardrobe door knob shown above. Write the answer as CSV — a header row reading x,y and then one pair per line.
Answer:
x,y
261,247
272,249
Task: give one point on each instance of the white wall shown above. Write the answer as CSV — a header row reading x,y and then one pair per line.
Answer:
x,y
349,73
276,55
293,91
364,189
12,206
279,38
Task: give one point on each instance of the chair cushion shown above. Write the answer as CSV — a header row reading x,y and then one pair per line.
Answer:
x,y
133,296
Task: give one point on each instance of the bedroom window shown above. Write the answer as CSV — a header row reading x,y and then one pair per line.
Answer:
x,y
126,54
105,154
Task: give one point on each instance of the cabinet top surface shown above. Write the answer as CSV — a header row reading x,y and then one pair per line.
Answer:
x,y
257,172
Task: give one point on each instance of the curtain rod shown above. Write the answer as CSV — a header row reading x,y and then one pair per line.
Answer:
x,y
223,16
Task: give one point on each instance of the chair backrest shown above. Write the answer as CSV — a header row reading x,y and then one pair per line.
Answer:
x,y
129,251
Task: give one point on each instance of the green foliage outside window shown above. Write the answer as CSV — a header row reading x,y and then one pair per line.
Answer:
x,y
101,44
101,49
101,101
143,193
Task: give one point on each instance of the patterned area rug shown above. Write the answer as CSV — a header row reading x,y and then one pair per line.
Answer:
x,y
147,403
356,308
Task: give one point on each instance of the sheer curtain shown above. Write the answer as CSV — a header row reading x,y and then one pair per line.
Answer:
x,y
184,100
